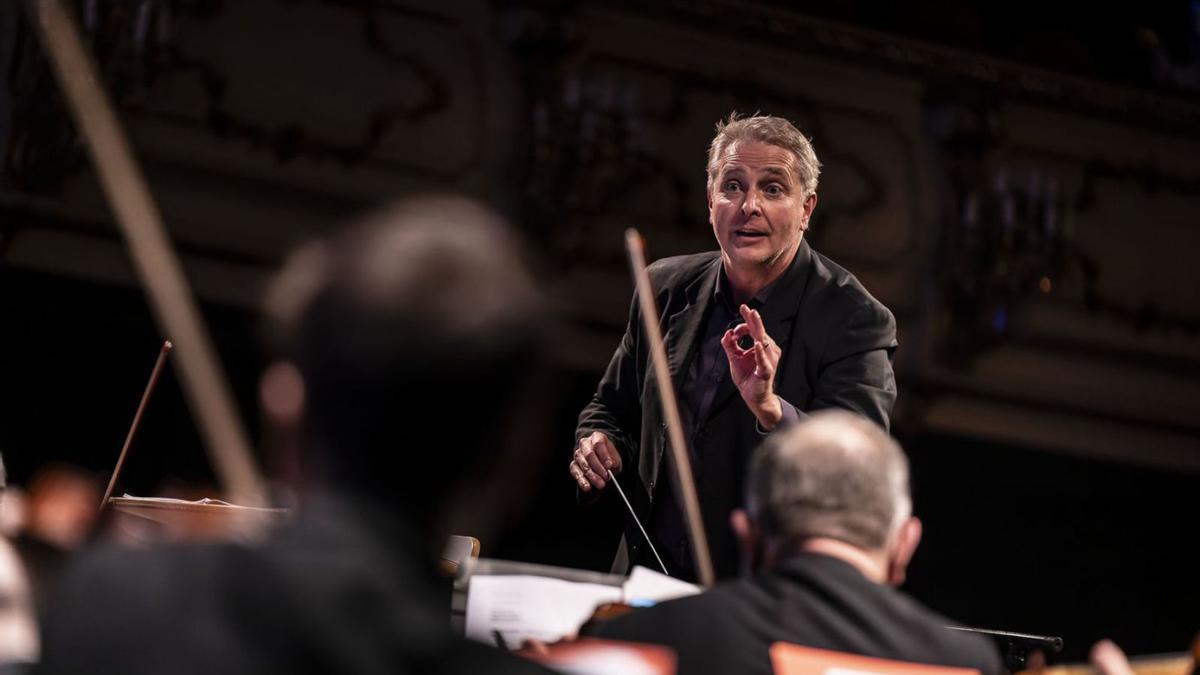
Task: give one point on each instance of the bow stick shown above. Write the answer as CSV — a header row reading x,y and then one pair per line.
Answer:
x,y
681,473
137,419
153,257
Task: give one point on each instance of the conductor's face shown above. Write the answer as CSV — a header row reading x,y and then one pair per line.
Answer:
x,y
757,207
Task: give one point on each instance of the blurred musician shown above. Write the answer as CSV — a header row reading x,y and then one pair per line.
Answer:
x,y
18,632
765,317
398,333
826,533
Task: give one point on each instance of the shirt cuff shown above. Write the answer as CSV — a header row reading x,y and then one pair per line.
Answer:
x,y
790,417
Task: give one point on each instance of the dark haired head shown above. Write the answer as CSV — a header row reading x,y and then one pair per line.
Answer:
x,y
413,332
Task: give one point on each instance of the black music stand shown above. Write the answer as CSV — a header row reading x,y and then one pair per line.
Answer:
x,y
1016,647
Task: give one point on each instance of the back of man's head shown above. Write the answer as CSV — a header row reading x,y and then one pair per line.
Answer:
x,y
835,476
412,332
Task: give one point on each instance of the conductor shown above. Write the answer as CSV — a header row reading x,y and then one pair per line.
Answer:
x,y
765,317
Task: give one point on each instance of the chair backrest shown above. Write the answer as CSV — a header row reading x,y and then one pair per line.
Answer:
x,y
458,549
789,659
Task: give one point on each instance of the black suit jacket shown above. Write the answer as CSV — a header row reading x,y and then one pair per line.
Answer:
x,y
813,600
837,342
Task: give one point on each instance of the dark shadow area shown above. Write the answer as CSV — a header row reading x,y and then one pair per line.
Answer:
x,y
557,530
75,357
1027,541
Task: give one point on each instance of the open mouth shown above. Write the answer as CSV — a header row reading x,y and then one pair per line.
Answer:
x,y
749,234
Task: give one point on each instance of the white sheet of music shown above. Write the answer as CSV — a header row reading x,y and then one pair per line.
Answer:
x,y
646,586
520,607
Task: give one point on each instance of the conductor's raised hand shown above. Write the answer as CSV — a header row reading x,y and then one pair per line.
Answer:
x,y
593,457
753,369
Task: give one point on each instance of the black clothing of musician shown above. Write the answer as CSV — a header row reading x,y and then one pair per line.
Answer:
x,y
345,589
812,600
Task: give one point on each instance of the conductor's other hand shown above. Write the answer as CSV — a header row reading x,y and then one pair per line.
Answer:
x,y
594,456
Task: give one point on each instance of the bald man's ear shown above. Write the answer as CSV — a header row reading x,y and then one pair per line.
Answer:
x,y
902,550
739,520
747,538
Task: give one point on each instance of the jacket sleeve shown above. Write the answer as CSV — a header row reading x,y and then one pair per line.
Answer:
x,y
855,371
616,407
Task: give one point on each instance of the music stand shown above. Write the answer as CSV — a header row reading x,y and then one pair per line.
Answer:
x,y
1016,647
205,516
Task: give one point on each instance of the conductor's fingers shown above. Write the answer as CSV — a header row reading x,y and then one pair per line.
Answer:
x,y
754,321
578,475
730,341
594,463
764,365
585,459
607,453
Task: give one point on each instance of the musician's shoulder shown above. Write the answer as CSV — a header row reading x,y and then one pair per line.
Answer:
x,y
470,657
695,617
681,268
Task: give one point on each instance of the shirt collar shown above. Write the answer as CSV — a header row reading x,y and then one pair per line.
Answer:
x,y
723,294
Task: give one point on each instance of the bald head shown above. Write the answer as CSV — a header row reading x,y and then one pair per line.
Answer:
x,y
837,476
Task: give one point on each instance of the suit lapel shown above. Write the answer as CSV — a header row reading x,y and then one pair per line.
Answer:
x,y
779,315
683,325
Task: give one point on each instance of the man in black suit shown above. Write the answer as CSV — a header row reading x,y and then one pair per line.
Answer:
x,y
765,317
396,332
827,531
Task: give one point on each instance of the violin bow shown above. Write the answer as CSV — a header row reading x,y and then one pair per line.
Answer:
x,y
154,259
681,474
137,419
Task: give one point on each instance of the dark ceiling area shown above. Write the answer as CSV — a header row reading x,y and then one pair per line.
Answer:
x,y
1150,45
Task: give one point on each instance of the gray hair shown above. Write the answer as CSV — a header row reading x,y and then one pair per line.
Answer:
x,y
836,475
766,129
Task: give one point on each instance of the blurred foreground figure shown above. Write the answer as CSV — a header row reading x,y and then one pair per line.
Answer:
x,y
827,532
57,514
409,339
18,633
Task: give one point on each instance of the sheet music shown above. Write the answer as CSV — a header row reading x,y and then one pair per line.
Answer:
x,y
524,606
646,586
520,607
